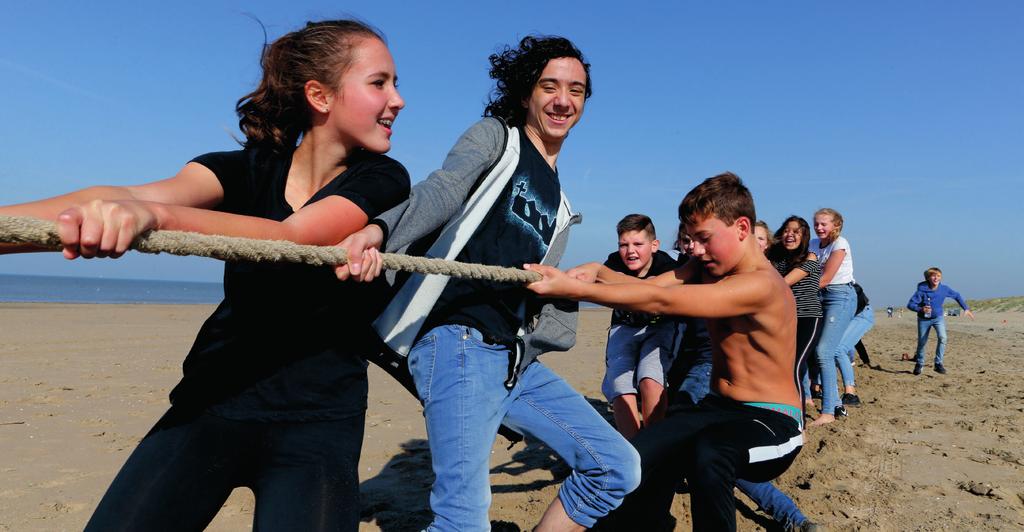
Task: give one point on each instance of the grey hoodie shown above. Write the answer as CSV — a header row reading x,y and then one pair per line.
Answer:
x,y
550,326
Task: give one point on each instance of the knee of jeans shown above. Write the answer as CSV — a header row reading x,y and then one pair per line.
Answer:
x,y
629,471
620,471
942,339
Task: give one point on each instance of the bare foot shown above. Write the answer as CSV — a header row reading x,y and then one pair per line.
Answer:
x,y
822,420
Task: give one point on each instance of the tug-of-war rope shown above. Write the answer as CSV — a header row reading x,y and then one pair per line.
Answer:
x,y
25,230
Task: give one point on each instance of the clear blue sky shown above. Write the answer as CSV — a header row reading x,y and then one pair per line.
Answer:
x,y
907,117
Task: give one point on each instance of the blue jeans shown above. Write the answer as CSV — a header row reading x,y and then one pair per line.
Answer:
x,y
923,327
697,382
459,378
773,502
838,303
845,353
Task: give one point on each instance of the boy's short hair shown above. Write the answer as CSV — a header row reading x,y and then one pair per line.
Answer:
x,y
636,222
723,196
930,271
837,220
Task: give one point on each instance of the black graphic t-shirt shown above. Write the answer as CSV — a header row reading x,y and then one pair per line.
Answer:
x,y
661,262
517,230
286,342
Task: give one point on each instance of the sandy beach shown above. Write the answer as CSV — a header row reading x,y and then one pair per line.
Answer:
x,y
80,384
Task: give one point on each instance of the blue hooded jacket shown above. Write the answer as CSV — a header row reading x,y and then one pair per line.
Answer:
x,y
925,295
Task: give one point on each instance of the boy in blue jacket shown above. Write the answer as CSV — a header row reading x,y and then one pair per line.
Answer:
x,y
927,303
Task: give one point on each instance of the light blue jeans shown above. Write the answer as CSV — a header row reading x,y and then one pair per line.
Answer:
x,y
459,378
838,303
845,353
923,327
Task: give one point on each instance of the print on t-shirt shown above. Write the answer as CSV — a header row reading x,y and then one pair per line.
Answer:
x,y
533,211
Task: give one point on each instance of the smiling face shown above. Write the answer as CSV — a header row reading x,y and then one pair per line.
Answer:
x,y
636,249
364,107
824,225
556,102
934,279
792,235
722,244
762,237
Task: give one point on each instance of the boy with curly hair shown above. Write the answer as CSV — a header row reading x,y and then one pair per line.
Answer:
x,y
472,344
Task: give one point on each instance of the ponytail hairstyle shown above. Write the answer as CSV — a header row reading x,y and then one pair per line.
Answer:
x,y
778,252
276,114
837,220
516,71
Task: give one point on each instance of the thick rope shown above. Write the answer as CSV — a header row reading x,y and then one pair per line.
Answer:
x,y
24,230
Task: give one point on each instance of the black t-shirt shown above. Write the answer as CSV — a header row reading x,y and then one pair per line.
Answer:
x,y
661,262
517,230
285,343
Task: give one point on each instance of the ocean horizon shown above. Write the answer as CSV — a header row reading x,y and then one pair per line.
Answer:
x,y
56,289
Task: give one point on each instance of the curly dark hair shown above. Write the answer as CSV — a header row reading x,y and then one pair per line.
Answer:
x,y
276,114
517,70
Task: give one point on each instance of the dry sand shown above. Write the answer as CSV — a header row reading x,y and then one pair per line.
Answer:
x,y
80,384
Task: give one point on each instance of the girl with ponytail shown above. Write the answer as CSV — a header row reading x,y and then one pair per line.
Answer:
x,y
274,388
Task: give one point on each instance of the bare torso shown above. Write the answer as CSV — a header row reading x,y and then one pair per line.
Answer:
x,y
754,354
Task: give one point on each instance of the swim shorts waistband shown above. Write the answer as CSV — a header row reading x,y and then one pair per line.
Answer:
x,y
788,410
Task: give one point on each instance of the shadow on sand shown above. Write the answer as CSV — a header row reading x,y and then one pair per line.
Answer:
x,y
397,498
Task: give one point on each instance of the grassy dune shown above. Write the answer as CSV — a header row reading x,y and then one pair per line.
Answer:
x,y
999,304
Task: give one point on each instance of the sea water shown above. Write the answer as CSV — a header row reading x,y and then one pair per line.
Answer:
x,y
49,289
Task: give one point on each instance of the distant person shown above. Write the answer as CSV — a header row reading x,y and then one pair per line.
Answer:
x,y
927,303
839,303
641,346
888,311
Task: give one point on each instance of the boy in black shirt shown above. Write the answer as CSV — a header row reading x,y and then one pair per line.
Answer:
x,y
640,346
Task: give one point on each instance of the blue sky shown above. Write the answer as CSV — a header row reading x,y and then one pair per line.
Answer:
x,y
906,117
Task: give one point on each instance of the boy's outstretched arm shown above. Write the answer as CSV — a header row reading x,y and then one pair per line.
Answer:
x,y
595,271
732,296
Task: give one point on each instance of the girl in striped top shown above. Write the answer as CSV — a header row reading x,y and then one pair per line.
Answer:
x,y
802,272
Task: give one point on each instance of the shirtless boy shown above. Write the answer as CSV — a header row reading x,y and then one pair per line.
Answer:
x,y
749,427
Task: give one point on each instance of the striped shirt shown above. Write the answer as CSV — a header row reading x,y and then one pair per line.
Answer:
x,y
805,291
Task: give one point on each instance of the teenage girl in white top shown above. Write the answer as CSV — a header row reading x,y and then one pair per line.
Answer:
x,y
838,301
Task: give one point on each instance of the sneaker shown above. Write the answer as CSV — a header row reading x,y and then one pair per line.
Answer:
x,y
816,393
917,369
851,399
940,369
806,526
840,412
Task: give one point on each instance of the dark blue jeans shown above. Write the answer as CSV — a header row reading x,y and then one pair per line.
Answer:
x,y
304,475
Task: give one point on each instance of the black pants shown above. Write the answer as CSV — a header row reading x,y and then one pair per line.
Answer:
x,y
711,444
304,475
808,332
